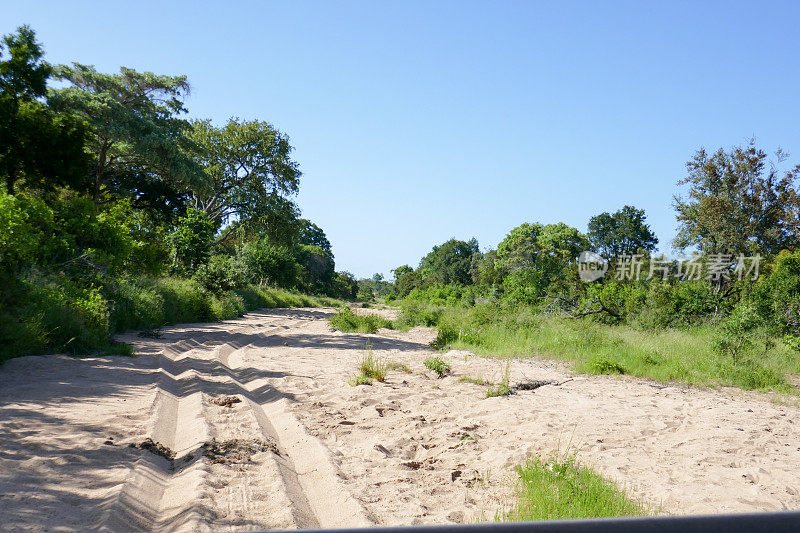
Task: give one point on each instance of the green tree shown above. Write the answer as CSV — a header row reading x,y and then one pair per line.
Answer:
x,y
450,262
137,139
735,204
345,286
624,232
317,268
38,145
252,177
267,263
310,233
535,245
191,240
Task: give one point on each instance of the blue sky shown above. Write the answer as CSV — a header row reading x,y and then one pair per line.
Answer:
x,y
414,122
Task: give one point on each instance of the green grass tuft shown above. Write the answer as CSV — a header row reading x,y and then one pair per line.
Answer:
x,y
559,488
360,380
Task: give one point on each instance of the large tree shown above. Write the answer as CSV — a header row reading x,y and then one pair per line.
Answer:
x,y
138,140
623,232
450,262
536,245
736,203
310,233
38,145
252,177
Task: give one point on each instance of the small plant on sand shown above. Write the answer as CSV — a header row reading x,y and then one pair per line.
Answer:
x,y
437,365
558,487
370,368
373,366
601,365
503,388
360,380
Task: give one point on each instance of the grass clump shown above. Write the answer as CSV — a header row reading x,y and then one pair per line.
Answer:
x,y
360,380
503,388
559,488
348,322
438,365
474,381
370,368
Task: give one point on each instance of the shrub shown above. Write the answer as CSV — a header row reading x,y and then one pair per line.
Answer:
x,y
266,263
437,365
191,241
184,301
135,304
600,365
346,321
415,313
737,330
220,274
227,305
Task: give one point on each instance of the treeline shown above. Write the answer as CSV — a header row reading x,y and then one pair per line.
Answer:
x,y
739,224
119,211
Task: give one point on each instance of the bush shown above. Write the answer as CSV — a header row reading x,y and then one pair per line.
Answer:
x,y
56,315
265,263
227,305
135,304
600,365
438,365
191,241
777,297
220,274
184,301
415,313
737,330
346,321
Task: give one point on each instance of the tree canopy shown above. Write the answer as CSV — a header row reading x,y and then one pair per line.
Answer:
x,y
39,145
450,262
623,232
138,141
251,175
737,204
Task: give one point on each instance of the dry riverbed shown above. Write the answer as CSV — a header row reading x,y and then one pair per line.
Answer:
x,y
251,424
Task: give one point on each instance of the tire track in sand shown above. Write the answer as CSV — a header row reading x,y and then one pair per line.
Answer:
x,y
311,481
162,494
296,487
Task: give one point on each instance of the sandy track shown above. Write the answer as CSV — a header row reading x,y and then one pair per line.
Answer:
x,y
415,449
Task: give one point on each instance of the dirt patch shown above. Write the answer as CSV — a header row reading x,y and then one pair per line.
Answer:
x,y
226,401
533,385
236,451
155,448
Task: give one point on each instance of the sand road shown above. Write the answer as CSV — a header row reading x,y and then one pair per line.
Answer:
x,y
299,447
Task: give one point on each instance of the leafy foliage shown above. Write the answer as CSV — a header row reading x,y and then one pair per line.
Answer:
x,y
735,205
437,365
624,232
138,142
346,321
108,187
451,262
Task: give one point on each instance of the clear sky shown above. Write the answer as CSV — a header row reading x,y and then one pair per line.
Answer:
x,y
414,122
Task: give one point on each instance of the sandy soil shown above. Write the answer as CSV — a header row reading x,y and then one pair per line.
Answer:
x,y
295,446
